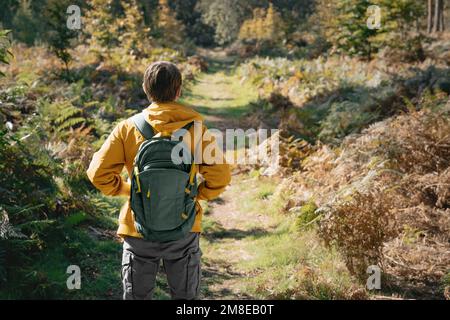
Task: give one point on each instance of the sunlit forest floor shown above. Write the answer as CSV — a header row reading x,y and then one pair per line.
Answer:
x,y
251,248
363,119
260,238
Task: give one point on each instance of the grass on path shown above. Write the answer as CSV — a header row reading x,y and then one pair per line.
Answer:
x,y
220,96
252,251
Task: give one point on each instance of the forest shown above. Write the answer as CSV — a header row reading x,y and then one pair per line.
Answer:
x,y
358,90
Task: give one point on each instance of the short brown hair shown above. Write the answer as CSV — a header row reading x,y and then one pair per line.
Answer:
x,y
162,80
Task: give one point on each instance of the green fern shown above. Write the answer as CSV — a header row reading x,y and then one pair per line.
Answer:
x,y
64,115
66,112
5,52
105,206
75,219
70,123
36,227
68,116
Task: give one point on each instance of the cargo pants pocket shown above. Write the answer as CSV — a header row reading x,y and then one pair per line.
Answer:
x,y
138,276
184,275
194,274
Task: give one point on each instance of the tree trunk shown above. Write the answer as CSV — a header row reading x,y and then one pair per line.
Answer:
x,y
430,16
148,13
442,16
438,16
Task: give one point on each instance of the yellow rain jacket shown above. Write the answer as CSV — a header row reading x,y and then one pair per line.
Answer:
x,y
119,151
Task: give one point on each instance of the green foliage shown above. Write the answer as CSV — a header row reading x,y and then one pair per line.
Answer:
x,y
179,23
100,27
26,23
348,30
75,219
265,25
446,281
132,33
191,18
59,35
335,99
228,18
28,193
356,109
68,116
45,275
32,171
294,15
171,31
9,8
328,99
225,16
2,264
303,79
398,18
29,19
51,216
306,216
44,196
49,130
344,24
105,206
116,33
5,52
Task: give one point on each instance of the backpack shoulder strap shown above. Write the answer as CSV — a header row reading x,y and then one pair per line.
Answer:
x,y
143,126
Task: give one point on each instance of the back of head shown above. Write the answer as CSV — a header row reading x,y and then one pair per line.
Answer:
x,y
162,82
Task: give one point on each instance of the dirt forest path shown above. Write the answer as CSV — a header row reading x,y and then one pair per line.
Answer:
x,y
219,94
227,246
226,243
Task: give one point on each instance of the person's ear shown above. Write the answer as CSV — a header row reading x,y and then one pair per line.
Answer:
x,y
179,93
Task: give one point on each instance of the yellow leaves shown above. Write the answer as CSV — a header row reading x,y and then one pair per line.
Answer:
x,y
298,74
108,33
268,87
374,162
246,30
265,25
293,152
411,235
172,29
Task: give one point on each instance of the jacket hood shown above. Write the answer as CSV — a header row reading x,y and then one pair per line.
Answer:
x,y
170,116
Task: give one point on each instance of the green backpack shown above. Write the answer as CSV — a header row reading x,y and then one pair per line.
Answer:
x,y
162,192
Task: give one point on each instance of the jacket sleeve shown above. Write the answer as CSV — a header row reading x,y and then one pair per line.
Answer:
x,y
107,164
216,175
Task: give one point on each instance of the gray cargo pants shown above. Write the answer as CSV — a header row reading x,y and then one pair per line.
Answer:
x,y
181,262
